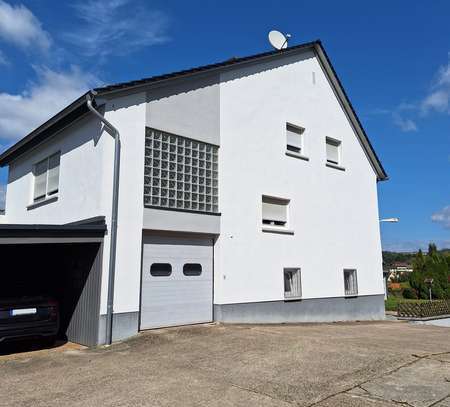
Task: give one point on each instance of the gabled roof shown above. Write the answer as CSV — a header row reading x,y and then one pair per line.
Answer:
x,y
78,108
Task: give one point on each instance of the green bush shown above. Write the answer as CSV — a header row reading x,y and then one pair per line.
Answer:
x,y
409,294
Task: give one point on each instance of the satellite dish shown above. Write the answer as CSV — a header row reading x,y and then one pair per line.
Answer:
x,y
278,40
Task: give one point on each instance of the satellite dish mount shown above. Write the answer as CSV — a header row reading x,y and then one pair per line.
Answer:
x,y
278,40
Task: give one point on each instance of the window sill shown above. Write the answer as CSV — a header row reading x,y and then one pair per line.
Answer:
x,y
297,155
335,166
289,299
274,229
45,201
350,296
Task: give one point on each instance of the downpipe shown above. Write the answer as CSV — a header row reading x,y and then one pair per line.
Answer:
x,y
115,209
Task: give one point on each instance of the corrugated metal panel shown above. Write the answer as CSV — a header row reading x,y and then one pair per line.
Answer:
x,y
84,323
176,299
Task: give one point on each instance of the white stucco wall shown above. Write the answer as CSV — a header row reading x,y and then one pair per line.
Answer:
x,y
333,213
128,115
82,189
188,108
85,188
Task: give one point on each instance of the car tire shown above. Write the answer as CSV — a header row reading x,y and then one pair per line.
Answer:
x,y
48,341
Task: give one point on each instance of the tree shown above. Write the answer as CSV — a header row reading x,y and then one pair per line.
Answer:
x,y
434,265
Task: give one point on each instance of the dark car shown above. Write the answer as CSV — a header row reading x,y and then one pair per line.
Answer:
x,y
27,317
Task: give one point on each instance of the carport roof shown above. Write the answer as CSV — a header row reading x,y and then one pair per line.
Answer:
x,y
95,227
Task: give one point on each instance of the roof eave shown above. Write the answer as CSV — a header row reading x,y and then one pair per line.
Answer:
x,y
51,126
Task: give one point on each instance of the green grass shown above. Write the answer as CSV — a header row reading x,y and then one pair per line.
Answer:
x,y
392,301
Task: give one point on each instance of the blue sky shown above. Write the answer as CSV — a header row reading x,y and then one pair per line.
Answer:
x,y
392,57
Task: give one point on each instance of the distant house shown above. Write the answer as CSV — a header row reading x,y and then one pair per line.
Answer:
x,y
247,194
398,270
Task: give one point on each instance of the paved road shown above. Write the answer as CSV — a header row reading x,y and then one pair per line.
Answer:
x,y
376,364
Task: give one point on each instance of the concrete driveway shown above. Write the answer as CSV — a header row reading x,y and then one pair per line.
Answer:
x,y
346,364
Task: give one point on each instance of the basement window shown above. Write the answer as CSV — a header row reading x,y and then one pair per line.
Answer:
x,y
292,284
46,178
274,211
294,139
161,269
350,283
333,151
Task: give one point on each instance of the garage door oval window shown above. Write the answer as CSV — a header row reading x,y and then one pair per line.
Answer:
x,y
161,269
192,269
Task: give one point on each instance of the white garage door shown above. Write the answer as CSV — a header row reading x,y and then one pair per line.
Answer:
x,y
177,281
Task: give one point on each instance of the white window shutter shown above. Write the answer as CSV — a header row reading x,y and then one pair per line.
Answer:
x,y
274,211
332,151
40,179
293,139
53,173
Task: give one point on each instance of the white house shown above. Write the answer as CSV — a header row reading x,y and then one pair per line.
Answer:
x,y
247,193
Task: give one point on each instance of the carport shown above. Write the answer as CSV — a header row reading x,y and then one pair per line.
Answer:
x,y
63,262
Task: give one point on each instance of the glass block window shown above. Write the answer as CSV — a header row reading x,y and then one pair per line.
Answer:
x,y
180,173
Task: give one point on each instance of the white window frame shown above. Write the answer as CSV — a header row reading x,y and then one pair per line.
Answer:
x,y
335,143
352,290
269,223
295,149
46,193
295,283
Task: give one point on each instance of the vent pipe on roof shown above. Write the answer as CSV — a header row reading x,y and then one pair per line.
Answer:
x,y
115,208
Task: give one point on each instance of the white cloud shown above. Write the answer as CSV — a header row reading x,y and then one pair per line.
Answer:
x,y
438,98
19,26
442,217
116,27
21,113
2,196
3,59
405,125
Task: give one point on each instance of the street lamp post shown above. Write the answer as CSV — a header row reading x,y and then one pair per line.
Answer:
x,y
390,220
429,281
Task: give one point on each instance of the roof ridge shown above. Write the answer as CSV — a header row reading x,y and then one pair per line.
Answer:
x,y
201,68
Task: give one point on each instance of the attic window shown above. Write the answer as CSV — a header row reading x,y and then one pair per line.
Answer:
x,y
333,151
294,138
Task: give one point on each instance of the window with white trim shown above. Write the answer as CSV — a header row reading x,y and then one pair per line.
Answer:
x,y
274,211
333,151
46,178
294,139
350,282
292,283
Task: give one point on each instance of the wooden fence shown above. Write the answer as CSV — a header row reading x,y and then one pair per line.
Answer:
x,y
424,309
